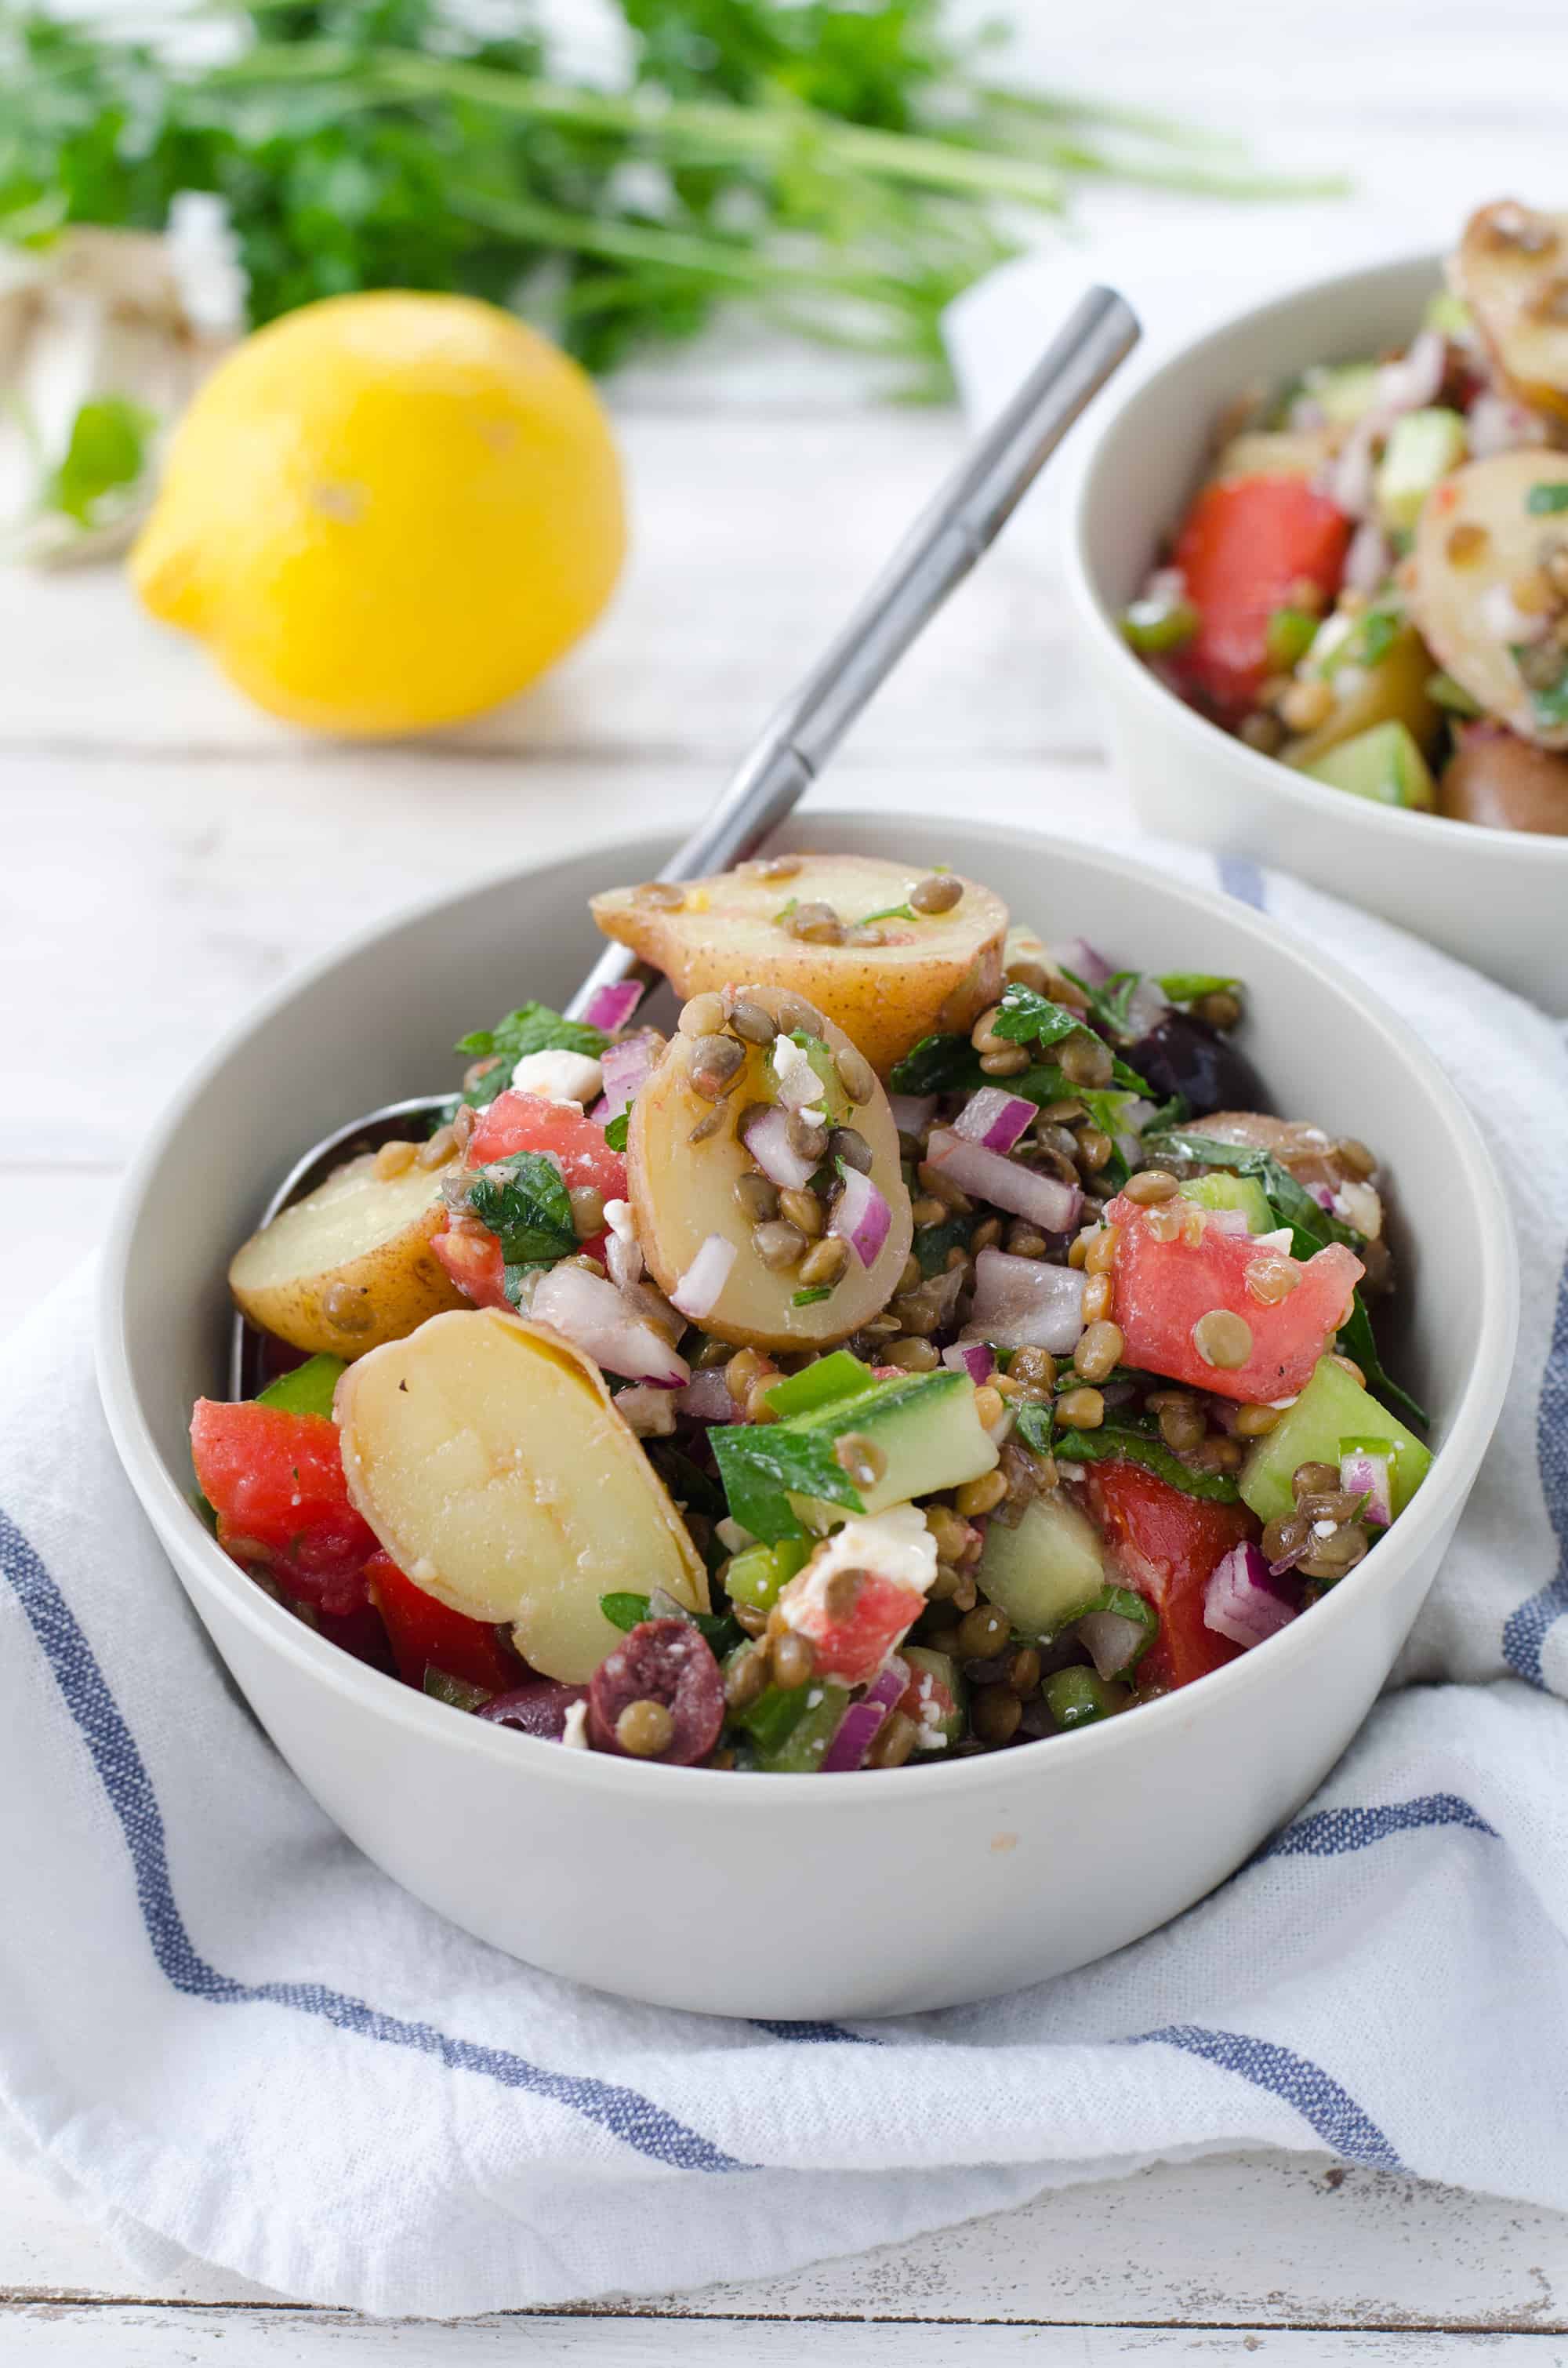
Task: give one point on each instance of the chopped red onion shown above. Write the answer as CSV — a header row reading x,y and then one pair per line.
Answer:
x,y
1349,479
1363,1472
627,1067
706,1398
1226,1220
1113,1641
704,1279
994,1118
1495,424
1044,1200
650,1409
610,1007
860,1216
1370,558
1025,1303
1241,1601
913,1114
766,1136
1079,957
624,1260
1146,1007
971,1357
592,1313
1415,380
857,1728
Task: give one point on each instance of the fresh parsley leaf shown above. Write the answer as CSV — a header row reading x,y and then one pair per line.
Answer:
x,y
524,1202
763,1464
1542,500
1033,1424
532,1028
1357,1341
1026,1018
932,1243
514,1277
1187,985
624,1611
106,453
938,1065
1113,1443
616,1130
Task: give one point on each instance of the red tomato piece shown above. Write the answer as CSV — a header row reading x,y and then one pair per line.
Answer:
x,y
1245,541
275,1481
851,1645
515,1122
1165,1545
1161,1290
428,1634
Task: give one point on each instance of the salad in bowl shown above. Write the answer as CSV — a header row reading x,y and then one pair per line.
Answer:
x,y
926,1342
1372,583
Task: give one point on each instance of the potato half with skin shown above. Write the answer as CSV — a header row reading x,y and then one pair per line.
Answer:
x,y
487,1456
1476,538
350,1265
682,1193
1512,270
913,976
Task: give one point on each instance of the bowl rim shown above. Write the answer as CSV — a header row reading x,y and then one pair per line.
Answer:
x,y
199,1560
1206,737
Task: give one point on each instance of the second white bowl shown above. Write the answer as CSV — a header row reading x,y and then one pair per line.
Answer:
x,y
1496,898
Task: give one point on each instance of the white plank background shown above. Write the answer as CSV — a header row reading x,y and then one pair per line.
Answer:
x,y
169,855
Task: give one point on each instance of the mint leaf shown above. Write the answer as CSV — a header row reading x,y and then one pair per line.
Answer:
x,y
109,439
616,1130
1114,1445
1026,1018
624,1611
1033,1424
524,1202
532,1028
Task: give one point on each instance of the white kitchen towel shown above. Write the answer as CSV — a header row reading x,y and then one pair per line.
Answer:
x,y
227,2034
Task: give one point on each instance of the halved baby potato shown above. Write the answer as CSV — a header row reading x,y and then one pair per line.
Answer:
x,y
889,981
487,1456
683,1192
1512,270
1483,534
350,1265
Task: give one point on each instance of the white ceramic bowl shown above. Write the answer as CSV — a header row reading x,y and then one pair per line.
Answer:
x,y
798,1895
1496,898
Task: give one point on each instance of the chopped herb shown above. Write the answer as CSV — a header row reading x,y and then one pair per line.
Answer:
x,y
628,1612
938,1065
932,1243
1115,1444
763,1466
888,913
624,1611
1542,501
457,1691
533,1027
1380,628
1033,1424
106,453
1187,985
1545,671
514,1277
810,1298
1289,634
616,1130
1026,1018
524,1202
1357,1341
784,911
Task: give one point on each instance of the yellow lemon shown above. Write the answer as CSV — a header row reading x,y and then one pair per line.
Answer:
x,y
387,512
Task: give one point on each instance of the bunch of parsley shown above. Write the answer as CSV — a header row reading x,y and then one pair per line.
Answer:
x,y
844,170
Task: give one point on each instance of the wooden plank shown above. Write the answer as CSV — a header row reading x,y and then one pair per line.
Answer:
x,y
48,2335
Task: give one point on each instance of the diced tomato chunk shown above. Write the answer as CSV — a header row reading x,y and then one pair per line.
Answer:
x,y
275,1481
515,1122
1162,1290
1245,541
428,1634
1165,1545
851,1645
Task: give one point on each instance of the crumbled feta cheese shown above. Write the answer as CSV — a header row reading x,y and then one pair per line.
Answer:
x,y
558,1076
788,1057
617,1217
574,1734
1324,1528
897,1545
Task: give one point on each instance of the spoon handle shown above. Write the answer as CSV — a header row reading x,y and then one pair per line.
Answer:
x,y
935,555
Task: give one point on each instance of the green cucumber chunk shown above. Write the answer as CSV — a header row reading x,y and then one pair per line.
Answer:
x,y
1080,1698
1449,312
780,1477
308,1389
1345,390
1422,449
759,1576
1332,1408
1045,1570
801,1747
1128,1604
1224,1190
457,1693
947,1676
839,1376
1384,765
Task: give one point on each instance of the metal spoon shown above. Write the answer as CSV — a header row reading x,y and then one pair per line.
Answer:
x,y
958,528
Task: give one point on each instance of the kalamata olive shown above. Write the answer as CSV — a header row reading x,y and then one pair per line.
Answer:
x,y
1182,1054
664,1661
538,1708
1505,782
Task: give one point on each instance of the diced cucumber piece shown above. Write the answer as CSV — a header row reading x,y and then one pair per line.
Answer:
x,y
839,1376
1344,392
759,1576
780,1474
1223,1190
801,1750
1422,449
1332,1408
1291,635
1384,764
457,1693
1081,1698
949,1680
308,1389
1045,1570
1151,627
1449,313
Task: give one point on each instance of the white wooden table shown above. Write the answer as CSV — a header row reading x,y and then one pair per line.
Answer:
x,y
169,855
